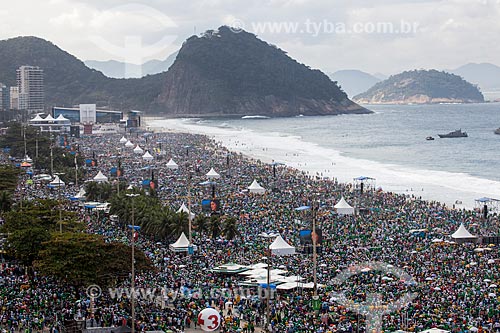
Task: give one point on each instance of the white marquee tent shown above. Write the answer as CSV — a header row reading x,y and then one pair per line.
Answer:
x,y
172,165
256,188
343,208
129,144
182,244
147,156
463,235
100,177
57,182
185,210
281,248
138,150
212,174
123,140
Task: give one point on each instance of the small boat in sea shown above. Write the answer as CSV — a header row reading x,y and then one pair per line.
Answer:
x,y
497,131
429,138
455,134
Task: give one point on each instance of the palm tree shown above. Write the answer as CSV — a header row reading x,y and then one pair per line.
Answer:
x,y
179,223
230,228
201,223
214,226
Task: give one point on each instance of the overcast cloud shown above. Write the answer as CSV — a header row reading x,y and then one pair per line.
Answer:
x,y
437,34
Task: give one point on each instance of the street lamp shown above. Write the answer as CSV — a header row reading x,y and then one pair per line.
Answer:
x,y
133,228
59,199
268,295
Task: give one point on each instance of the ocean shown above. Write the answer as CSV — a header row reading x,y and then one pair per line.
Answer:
x,y
389,145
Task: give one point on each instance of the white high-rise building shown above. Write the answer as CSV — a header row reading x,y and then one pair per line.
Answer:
x,y
14,98
30,85
4,97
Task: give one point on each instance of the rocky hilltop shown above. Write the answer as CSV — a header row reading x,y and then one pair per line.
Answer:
x,y
421,87
219,73
234,73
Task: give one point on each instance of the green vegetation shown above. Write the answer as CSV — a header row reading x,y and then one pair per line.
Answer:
x,y
68,81
81,259
162,222
222,72
34,238
432,83
64,161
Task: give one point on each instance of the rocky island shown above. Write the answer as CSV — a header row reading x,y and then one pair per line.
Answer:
x,y
421,87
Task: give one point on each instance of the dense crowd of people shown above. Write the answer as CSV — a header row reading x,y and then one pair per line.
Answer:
x,y
455,284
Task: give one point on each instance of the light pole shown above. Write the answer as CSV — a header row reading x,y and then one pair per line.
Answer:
x,y
133,228
59,199
314,238
268,295
189,210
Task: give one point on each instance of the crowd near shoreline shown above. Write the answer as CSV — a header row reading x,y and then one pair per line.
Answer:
x,y
455,284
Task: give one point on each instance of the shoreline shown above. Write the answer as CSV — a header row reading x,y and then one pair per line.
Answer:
x,y
326,163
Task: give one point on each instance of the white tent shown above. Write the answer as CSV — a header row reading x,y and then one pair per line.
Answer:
x,y
343,208
57,182
129,144
147,156
181,245
435,330
123,140
49,118
37,118
138,150
256,188
462,234
172,165
185,210
281,248
100,177
80,195
61,118
212,174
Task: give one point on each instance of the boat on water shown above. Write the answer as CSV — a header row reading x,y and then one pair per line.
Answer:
x,y
497,131
429,138
455,134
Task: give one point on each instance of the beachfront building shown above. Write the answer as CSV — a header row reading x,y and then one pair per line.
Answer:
x,y
51,124
14,98
4,97
84,114
30,88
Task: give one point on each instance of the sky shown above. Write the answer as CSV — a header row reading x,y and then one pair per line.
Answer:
x,y
377,36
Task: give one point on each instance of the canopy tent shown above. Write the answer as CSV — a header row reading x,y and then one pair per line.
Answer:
x,y
343,208
61,118
212,174
129,144
49,118
435,330
57,182
172,165
184,209
488,204
138,150
147,156
281,248
256,188
37,118
463,235
100,177
182,244
363,182
123,140
79,196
